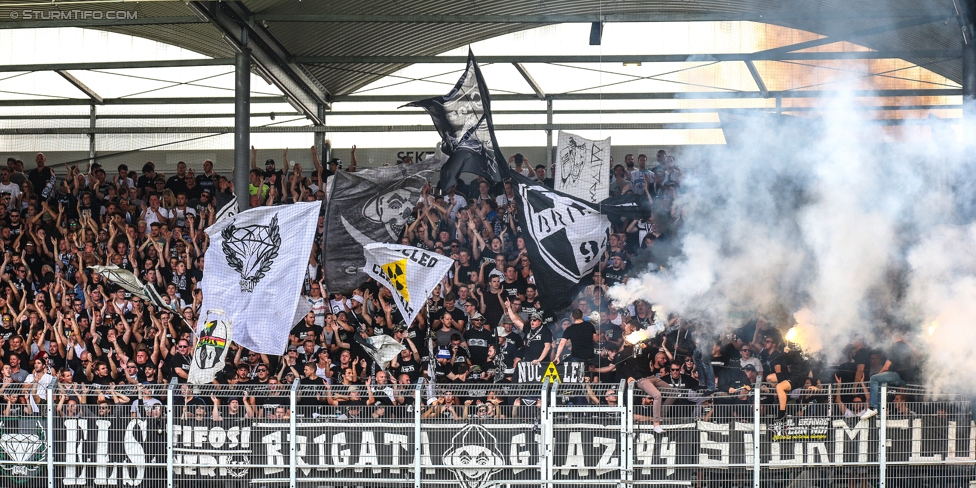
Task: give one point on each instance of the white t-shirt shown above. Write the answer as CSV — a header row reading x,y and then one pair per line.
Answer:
x,y
43,385
13,189
152,217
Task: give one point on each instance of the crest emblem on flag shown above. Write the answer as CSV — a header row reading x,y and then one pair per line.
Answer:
x,y
255,280
251,250
213,341
410,273
570,234
211,349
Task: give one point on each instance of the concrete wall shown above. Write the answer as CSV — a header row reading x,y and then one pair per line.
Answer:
x,y
224,158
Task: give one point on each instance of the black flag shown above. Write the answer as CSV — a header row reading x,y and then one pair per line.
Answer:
x,y
368,206
463,119
565,235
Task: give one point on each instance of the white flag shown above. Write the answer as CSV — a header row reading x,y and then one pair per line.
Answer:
x,y
583,167
255,268
410,273
211,349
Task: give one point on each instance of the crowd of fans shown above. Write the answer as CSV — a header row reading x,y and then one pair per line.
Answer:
x,y
70,337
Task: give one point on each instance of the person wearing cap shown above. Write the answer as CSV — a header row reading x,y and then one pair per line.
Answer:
x,y
538,338
507,353
580,336
444,369
270,168
481,341
514,334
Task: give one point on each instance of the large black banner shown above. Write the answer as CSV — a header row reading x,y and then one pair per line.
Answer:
x,y
132,452
368,206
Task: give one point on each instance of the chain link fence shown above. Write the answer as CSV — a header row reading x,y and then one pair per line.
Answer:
x,y
478,435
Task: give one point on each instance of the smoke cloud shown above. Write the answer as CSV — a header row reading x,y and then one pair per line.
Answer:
x,y
832,215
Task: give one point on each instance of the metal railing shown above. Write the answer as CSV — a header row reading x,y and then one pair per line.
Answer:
x,y
479,435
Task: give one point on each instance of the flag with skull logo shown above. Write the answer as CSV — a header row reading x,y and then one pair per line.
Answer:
x,y
367,207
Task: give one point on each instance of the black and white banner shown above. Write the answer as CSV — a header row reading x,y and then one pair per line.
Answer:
x,y
99,451
584,167
366,207
567,235
463,120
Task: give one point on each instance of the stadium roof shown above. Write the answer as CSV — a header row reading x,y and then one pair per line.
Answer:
x,y
322,40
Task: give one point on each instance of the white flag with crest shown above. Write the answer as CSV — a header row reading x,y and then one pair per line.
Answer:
x,y
409,272
252,272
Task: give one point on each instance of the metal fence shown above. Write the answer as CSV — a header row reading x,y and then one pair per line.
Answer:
x,y
477,436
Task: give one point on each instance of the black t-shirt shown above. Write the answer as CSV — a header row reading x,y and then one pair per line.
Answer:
x,y
478,343
465,271
178,361
177,184
535,341
457,314
410,367
304,330
205,182
613,276
314,388
514,289
39,179
580,336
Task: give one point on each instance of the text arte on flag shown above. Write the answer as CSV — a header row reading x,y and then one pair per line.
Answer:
x,y
251,265
367,207
410,273
463,120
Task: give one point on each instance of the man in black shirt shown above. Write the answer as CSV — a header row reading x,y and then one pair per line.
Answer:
x,y
40,177
580,336
480,340
617,272
457,314
538,338
513,286
898,369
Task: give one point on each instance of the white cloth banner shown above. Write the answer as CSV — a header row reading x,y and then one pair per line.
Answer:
x,y
410,273
252,272
583,167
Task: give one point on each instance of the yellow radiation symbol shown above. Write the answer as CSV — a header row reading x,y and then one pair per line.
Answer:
x,y
551,374
396,272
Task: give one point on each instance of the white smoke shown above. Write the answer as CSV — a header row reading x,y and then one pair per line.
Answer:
x,y
833,214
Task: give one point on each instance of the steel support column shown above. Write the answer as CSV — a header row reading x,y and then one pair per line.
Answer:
x,y
93,117
549,155
969,89
242,127
319,138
